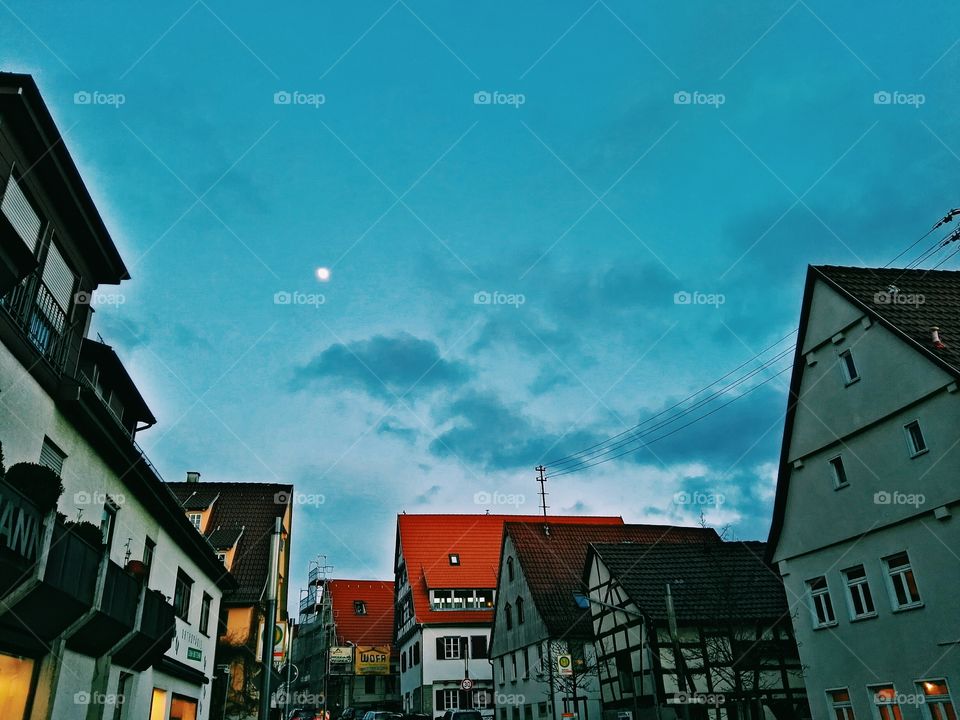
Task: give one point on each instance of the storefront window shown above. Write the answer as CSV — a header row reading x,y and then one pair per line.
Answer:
x,y
158,705
15,676
183,708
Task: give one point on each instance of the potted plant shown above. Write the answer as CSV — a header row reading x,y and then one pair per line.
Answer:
x,y
86,531
137,568
40,484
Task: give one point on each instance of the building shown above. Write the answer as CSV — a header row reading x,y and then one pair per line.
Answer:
x,y
445,588
863,530
238,519
693,631
537,620
106,591
344,647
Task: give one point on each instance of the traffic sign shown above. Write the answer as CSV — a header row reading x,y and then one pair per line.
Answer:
x,y
565,664
466,684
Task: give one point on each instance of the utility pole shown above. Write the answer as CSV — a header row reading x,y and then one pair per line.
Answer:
x,y
270,620
543,492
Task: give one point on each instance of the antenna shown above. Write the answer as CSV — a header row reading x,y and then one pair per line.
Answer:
x,y
543,492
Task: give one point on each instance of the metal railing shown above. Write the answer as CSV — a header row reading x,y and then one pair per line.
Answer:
x,y
39,316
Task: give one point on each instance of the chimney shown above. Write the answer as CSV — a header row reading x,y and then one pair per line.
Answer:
x,y
937,341
193,476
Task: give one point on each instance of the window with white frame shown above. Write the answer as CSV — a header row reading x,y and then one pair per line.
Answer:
x,y
937,702
195,519
915,441
451,648
859,597
450,699
840,704
820,602
839,472
848,367
461,599
901,582
885,702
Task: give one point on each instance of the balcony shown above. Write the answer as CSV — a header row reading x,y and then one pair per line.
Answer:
x,y
115,618
40,319
154,635
19,230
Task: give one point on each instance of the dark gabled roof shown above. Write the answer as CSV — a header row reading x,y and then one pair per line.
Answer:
x,y
201,498
553,564
709,581
870,290
225,538
254,507
116,375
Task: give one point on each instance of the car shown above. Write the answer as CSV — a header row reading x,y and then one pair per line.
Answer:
x,y
302,714
462,715
381,715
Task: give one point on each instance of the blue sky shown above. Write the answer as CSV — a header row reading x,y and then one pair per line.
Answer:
x,y
587,185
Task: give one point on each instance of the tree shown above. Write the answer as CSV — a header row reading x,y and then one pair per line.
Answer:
x,y
580,683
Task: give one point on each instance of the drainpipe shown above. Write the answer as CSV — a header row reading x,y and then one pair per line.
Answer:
x,y
270,621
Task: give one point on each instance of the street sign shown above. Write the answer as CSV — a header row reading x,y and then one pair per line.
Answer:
x,y
372,660
341,659
565,664
466,684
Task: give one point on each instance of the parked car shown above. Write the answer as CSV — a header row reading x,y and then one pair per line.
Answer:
x,y
462,715
303,714
381,715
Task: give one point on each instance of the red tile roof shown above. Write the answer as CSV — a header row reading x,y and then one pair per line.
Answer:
x,y
427,541
374,628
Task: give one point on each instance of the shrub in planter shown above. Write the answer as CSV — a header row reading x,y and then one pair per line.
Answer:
x,y
86,531
38,482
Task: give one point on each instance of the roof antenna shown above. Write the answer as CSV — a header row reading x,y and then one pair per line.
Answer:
x,y
543,496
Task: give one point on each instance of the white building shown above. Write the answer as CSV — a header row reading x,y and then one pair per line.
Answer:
x,y
863,527
109,608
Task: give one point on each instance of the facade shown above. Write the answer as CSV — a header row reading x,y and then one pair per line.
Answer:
x,y
344,648
692,631
445,588
537,620
237,520
863,531
106,592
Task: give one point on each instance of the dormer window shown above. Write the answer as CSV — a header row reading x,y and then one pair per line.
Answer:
x,y
359,607
454,559
196,519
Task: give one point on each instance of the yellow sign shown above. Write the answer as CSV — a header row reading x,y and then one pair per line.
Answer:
x,y
372,660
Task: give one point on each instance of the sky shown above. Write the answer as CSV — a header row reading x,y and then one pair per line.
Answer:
x,y
512,202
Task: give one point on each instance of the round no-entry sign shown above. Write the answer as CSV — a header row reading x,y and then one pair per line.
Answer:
x,y
466,684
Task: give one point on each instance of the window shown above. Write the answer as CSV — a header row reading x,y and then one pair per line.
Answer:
x,y
526,664
822,606
481,699
205,613
461,599
915,442
937,700
849,367
513,663
520,613
478,646
196,519
370,684
403,662
510,568
839,473
902,584
624,672
108,522
122,682
181,595
416,653
449,699
449,648
885,702
508,615
454,559
52,456
149,547
858,593
503,672
840,704
359,607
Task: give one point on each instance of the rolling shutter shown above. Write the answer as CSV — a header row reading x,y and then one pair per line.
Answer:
x,y
58,277
21,214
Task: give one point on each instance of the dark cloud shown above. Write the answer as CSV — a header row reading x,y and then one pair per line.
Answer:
x,y
384,367
391,427
425,497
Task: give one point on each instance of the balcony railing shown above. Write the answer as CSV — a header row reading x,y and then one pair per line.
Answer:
x,y
39,316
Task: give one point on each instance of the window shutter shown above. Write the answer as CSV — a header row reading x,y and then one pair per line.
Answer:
x,y
466,700
439,702
440,654
21,214
52,456
58,277
463,645
478,647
